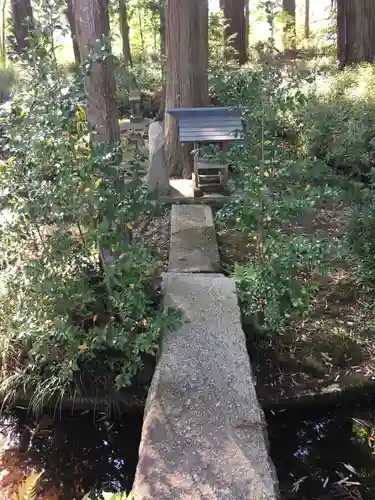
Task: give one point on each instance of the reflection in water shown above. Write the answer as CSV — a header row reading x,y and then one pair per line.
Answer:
x,y
318,455
79,453
324,456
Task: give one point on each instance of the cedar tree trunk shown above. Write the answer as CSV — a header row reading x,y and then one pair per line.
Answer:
x,y
289,8
307,19
186,72
236,32
124,27
92,21
23,22
356,31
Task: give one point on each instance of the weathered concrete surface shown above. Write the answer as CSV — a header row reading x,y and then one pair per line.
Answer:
x,y
204,435
193,247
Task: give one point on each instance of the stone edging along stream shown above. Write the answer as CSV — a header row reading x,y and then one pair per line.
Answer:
x,y
204,433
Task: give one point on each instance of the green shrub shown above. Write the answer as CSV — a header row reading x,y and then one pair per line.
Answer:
x,y
338,122
278,186
8,77
143,75
76,315
361,236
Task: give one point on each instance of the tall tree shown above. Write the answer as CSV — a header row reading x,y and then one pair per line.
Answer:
x,y
236,31
23,23
124,27
162,27
73,31
186,71
247,26
141,33
92,22
356,31
289,8
2,49
158,11
307,19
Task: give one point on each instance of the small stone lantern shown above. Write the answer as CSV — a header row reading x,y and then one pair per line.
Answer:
x,y
135,106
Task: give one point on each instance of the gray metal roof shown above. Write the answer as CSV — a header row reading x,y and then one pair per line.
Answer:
x,y
211,124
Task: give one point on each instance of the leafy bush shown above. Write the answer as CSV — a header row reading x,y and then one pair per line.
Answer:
x,y
338,122
144,75
76,313
361,236
278,186
8,78
221,54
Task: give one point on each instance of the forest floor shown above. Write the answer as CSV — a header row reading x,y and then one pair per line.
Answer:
x,y
154,231
332,347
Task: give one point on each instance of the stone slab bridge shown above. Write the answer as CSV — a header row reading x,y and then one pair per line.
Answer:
x,y
204,434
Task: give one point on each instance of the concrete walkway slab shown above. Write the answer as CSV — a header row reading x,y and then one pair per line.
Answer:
x,y
193,247
204,433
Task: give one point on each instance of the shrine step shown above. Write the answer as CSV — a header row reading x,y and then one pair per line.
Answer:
x,y
214,179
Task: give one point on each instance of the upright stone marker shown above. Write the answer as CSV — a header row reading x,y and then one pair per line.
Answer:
x,y
157,176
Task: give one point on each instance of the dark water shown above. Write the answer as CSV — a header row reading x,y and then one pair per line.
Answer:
x,y
324,455
319,454
79,453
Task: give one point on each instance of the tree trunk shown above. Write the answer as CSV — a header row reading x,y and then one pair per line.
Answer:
x,y
162,52
140,24
356,31
186,72
237,26
3,41
73,31
289,8
23,22
92,21
162,31
124,27
307,19
247,15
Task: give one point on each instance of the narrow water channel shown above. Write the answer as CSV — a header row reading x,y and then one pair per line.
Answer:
x,y
79,453
324,454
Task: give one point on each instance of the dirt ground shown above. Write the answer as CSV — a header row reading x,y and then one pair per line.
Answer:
x,y
330,349
155,232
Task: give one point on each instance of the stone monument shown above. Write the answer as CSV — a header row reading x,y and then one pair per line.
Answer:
x,y
157,175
